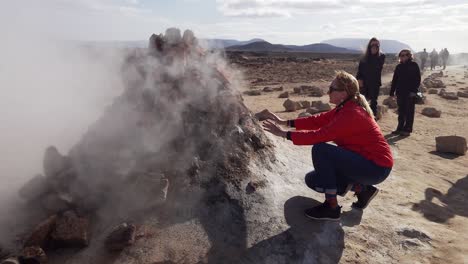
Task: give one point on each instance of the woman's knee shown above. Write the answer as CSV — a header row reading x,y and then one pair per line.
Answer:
x,y
309,179
320,148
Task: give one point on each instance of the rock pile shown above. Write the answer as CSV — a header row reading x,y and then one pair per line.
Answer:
x,y
175,145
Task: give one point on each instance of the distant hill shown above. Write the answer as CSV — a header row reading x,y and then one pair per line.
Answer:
x,y
266,46
224,43
321,48
259,46
387,46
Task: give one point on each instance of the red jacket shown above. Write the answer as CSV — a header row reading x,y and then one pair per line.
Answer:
x,y
350,127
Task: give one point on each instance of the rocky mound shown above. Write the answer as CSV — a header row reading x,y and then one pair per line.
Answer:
x,y
176,147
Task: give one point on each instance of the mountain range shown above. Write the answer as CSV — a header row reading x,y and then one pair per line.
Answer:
x,y
338,45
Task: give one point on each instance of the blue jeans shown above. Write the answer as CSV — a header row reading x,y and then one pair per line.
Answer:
x,y
336,167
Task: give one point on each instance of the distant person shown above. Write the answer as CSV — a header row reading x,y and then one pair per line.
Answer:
x,y
445,57
370,72
361,157
405,84
434,59
424,56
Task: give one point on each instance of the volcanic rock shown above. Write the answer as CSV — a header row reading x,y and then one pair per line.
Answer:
x,y
451,144
284,95
34,255
121,237
70,230
431,112
291,105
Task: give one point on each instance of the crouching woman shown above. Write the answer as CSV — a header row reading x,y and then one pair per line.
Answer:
x,y
361,157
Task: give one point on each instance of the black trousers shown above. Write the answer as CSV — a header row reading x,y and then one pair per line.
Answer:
x,y
405,113
372,94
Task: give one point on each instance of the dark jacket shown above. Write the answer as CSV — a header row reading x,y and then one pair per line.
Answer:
x,y
370,70
406,79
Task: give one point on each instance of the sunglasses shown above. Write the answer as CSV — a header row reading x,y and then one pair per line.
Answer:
x,y
404,55
332,89
375,45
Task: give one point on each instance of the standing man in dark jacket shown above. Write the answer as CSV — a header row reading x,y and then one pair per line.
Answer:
x,y
405,83
370,72
424,56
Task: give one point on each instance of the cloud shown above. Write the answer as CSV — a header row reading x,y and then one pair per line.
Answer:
x,y
278,8
289,8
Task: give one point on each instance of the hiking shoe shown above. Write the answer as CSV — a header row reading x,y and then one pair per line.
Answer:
x,y
323,212
345,190
396,132
365,197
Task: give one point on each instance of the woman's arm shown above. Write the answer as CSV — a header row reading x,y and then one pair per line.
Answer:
x,y
313,122
394,81
341,126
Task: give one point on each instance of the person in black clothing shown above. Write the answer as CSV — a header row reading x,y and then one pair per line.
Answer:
x,y
405,84
370,72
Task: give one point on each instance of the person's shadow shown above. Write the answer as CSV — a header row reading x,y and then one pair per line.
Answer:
x,y
392,139
306,241
455,202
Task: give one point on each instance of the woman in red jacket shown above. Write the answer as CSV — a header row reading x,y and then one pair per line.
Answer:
x,y
361,157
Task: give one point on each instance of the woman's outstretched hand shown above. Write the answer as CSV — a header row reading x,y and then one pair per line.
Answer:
x,y
268,115
274,129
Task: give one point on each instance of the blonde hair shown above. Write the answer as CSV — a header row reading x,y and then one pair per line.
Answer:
x,y
348,83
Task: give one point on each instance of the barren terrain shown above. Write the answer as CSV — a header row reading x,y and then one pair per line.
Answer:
x,y
420,215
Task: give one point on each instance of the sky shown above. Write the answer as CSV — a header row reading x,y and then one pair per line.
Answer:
x,y
419,23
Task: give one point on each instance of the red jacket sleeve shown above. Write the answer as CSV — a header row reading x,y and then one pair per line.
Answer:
x,y
343,123
315,121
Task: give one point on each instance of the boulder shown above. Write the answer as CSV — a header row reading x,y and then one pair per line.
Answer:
x,y
278,89
316,92
41,234
390,102
70,230
304,114
120,237
451,144
462,94
449,96
431,82
34,255
261,116
313,110
310,90
305,104
268,89
321,106
432,91
253,93
284,95
291,105
431,112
